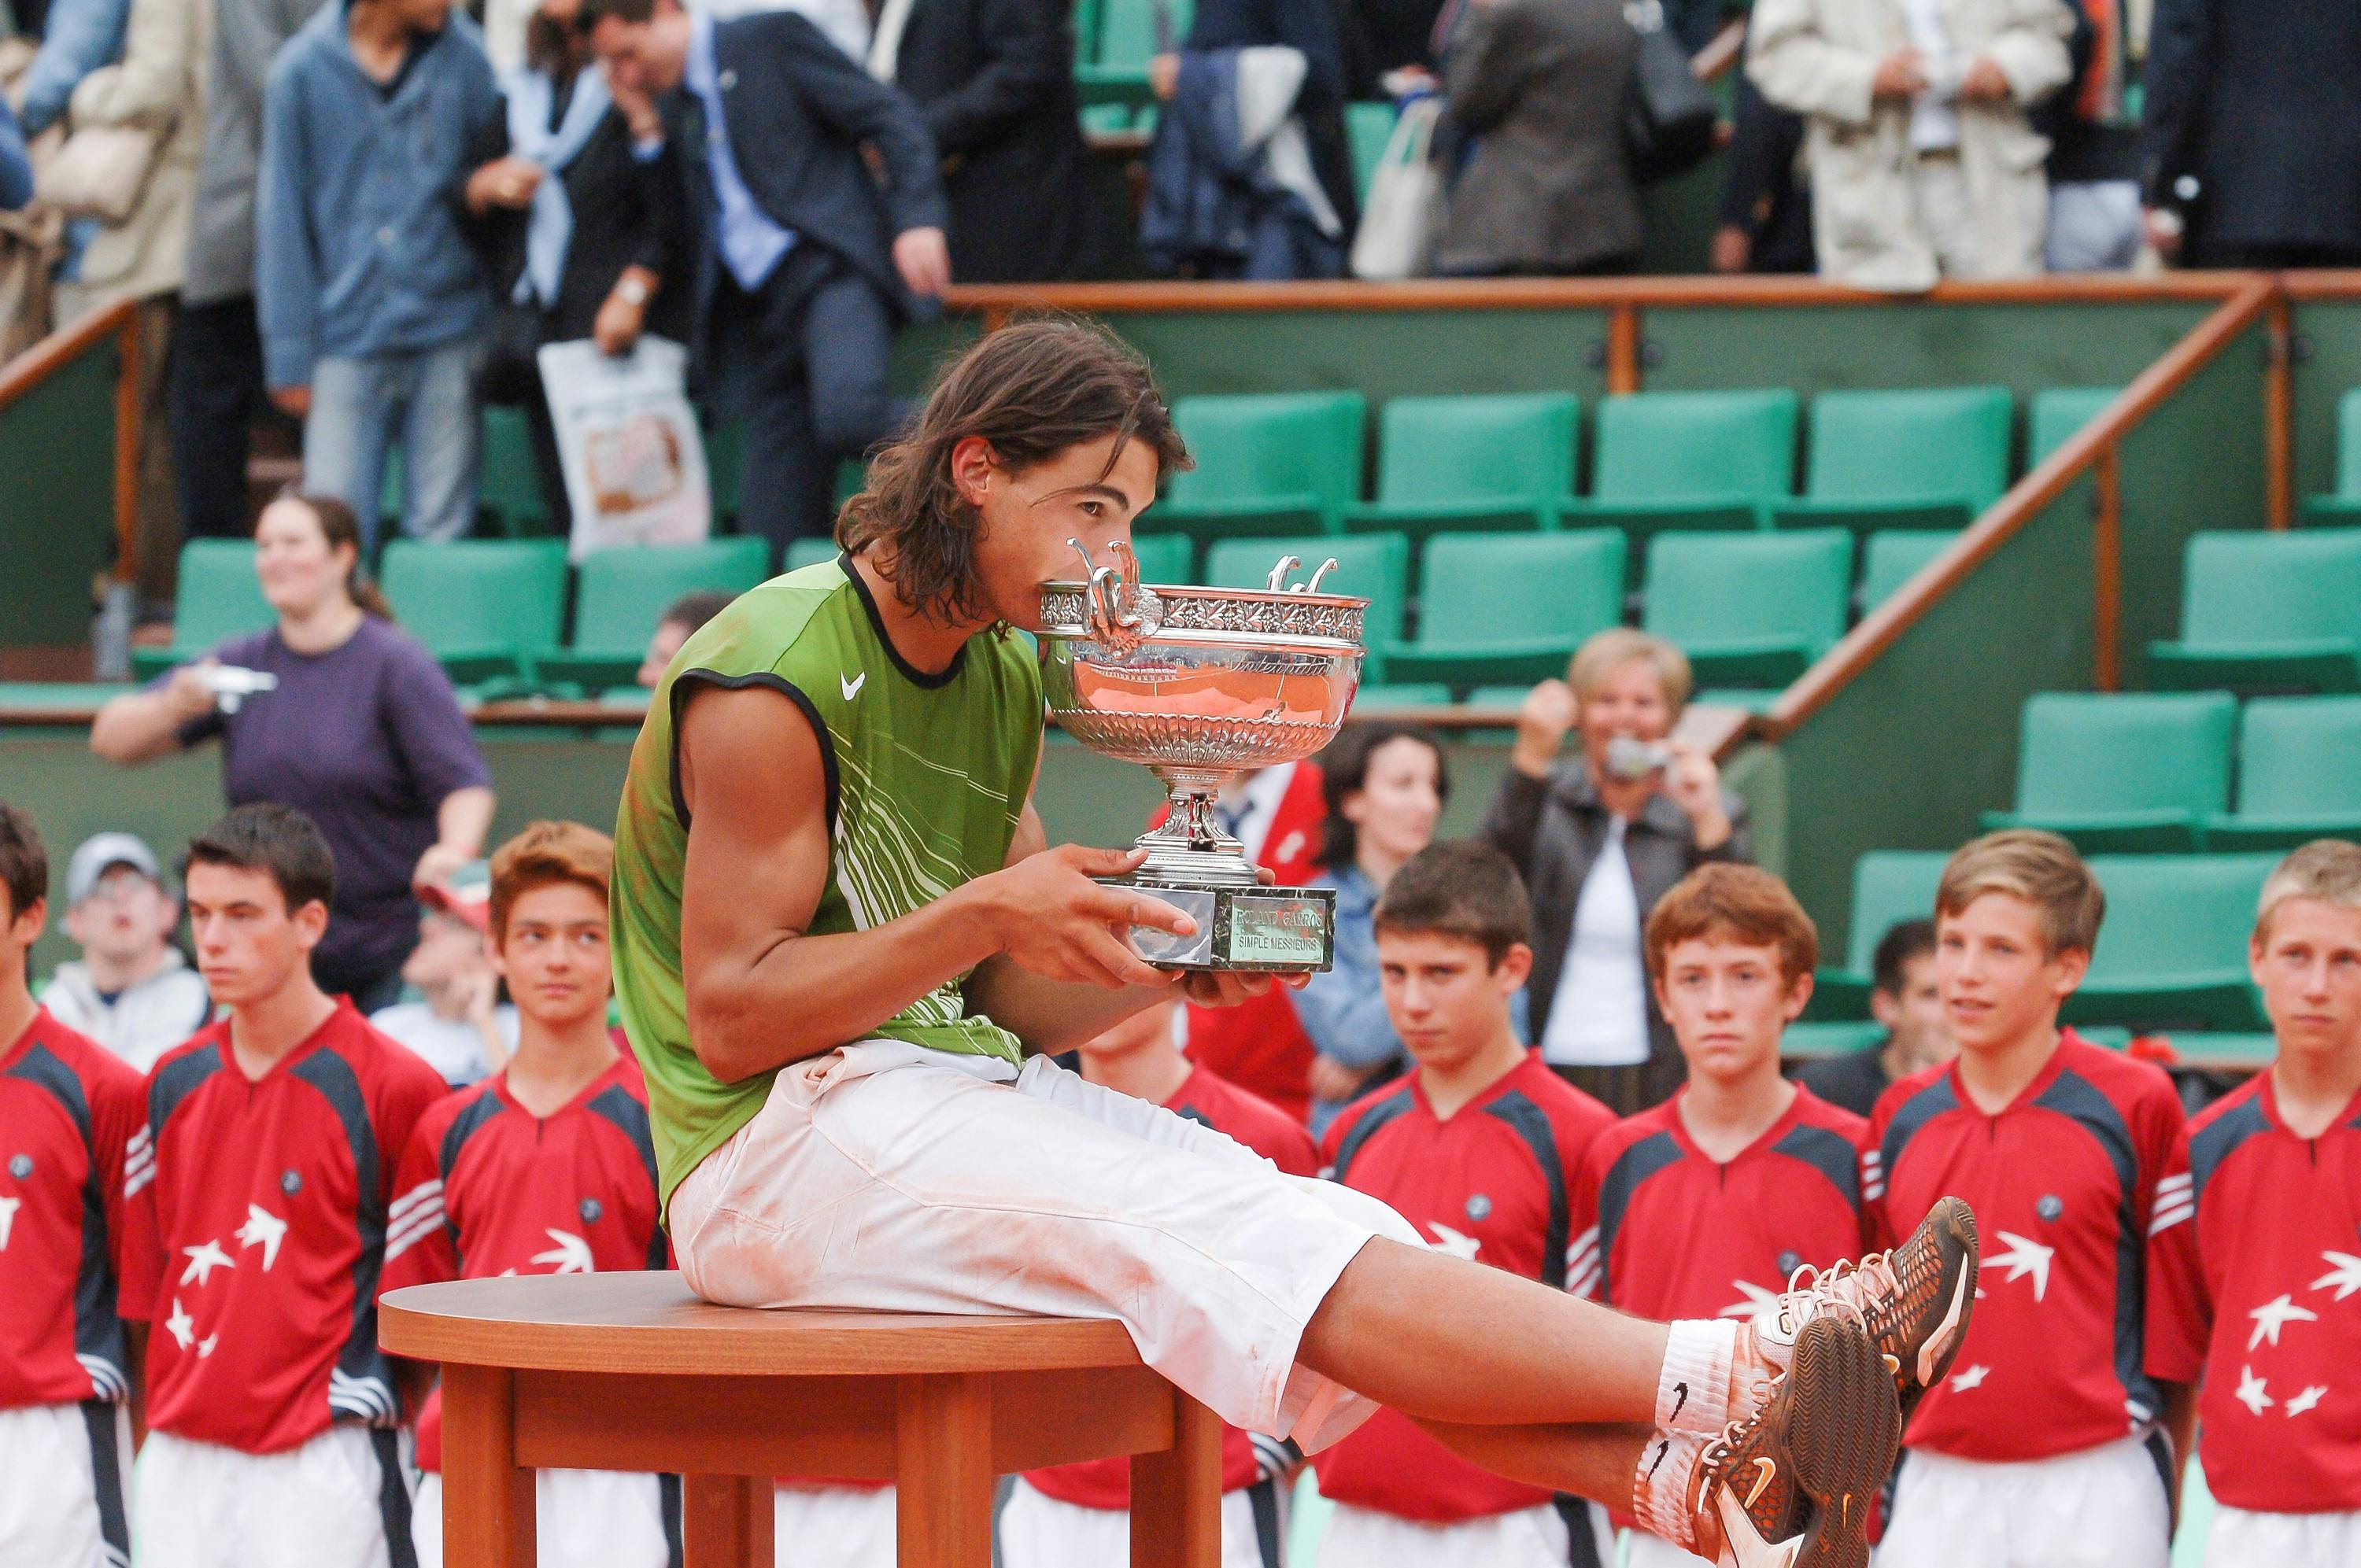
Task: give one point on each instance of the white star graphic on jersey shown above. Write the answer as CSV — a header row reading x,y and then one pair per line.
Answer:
x,y
1453,1242
262,1229
203,1260
2274,1315
182,1327
570,1256
2025,1257
8,1207
2250,1391
205,1346
2345,1276
2305,1401
1753,1299
1969,1378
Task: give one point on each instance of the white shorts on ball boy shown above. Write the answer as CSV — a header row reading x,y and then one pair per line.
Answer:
x,y
327,1503
886,1176
60,1501
1038,1530
833,1527
1528,1538
2245,1539
1654,1552
2102,1507
582,1518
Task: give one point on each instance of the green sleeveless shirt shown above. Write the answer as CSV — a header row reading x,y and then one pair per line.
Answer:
x,y
927,778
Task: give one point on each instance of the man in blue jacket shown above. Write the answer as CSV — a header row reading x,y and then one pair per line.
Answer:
x,y
373,300
808,261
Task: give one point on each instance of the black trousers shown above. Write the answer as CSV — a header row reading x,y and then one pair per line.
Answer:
x,y
802,360
216,391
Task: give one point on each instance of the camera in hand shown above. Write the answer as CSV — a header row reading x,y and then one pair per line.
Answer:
x,y
233,683
1629,757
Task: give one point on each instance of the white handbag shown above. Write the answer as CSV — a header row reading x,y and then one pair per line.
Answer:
x,y
1392,243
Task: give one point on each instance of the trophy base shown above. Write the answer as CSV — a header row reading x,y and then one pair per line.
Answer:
x,y
1270,930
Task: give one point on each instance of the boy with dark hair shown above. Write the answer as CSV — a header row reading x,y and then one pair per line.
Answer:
x,y
2041,1449
1905,1000
2254,1253
545,1167
70,1112
258,1197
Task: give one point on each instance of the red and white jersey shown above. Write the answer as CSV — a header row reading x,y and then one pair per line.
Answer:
x,y
487,1188
2254,1286
1262,1127
1494,1183
1664,1231
2063,1184
68,1110
256,1231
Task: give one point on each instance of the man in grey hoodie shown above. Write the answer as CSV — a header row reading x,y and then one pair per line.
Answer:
x,y
130,991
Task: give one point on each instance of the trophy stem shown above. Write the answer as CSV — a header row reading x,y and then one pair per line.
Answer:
x,y
1190,846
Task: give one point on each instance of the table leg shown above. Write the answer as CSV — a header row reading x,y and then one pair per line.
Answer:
x,y
726,1521
487,1502
943,1438
1176,1496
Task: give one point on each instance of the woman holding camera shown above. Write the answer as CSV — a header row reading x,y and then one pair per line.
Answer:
x,y
1600,837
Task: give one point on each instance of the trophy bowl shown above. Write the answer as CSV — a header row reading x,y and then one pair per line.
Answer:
x,y
1196,685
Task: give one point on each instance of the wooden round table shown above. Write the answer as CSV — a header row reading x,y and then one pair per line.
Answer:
x,y
632,1372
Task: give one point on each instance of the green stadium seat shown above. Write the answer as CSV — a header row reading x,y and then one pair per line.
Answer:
x,y
1375,566
1367,127
804,553
2213,1051
1480,464
1927,458
2341,505
217,596
1510,607
620,594
1889,886
1164,557
509,493
1086,30
2173,948
2267,614
1894,556
2123,773
2299,775
1270,465
1689,460
486,607
1388,698
2054,416
1117,75
1819,1041
1750,610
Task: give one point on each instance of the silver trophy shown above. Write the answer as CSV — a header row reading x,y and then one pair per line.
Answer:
x,y
1197,685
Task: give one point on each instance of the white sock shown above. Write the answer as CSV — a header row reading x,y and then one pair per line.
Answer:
x,y
1661,1503
1693,1389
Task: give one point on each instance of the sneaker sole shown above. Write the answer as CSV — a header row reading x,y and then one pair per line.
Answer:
x,y
1954,1218
1843,1431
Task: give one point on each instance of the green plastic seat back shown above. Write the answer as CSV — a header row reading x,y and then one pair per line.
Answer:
x,y
2171,916
2265,587
1367,127
1126,30
1164,557
1487,588
2097,751
1901,446
1258,445
218,594
1514,446
804,553
1086,30
2300,756
1374,566
511,479
1889,886
2055,415
1894,556
471,594
1680,446
2349,445
621,594
1704,589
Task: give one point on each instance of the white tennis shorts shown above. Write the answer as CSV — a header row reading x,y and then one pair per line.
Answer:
x,y
582,1518
886,1176
1363,1537
2102,1507
2242,1539
60,1503
326,1502
1038,1530
833,1527
1654,1552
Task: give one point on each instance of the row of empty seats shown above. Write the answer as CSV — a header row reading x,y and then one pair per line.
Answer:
x,y
2264,612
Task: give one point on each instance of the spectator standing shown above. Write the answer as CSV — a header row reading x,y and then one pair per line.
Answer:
x,y
1764,221
362,733
681,618
2094,197
1384,786
458,1026
807,261
131,990
1541,86
2252,140
1923,162
372,294
78,36
1904,998
1599,838
15,169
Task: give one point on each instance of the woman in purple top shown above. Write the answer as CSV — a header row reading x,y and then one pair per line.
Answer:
x,y
362,734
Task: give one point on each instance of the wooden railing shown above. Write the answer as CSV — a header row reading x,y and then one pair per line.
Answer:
x,y
119,323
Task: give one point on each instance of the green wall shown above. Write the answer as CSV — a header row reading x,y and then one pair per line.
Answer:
x,y
56,501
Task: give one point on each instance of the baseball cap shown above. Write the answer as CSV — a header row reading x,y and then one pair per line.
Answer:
x,y
467,895
100,854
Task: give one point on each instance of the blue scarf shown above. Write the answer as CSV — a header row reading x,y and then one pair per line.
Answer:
x,y
549,227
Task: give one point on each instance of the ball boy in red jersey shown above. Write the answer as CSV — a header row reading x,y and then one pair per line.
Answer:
x,y
2040,1448
1075,1515
2254,1253
258,1223
1711,1203
69,1111
545,1167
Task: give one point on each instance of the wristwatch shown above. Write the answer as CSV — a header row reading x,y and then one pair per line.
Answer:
x,y
632,291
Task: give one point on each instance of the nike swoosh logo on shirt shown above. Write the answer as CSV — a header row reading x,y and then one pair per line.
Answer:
x,y
851,688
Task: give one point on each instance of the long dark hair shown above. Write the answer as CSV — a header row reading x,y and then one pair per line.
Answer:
x,y
1033,390
1345,769
340,526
